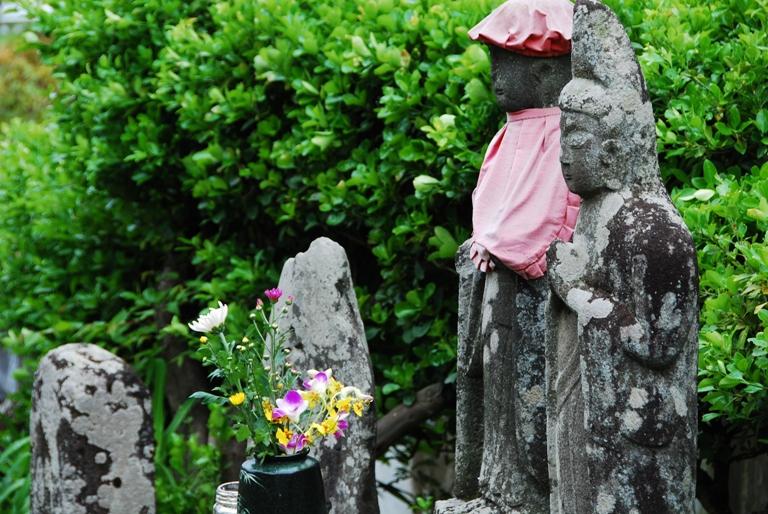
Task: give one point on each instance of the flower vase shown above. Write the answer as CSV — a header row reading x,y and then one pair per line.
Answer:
x,y
282,484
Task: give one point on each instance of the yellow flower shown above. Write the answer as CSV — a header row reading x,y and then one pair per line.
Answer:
x,y
311,398
358,407
203,339
334,386
329,426
267,409
344,405
237,398
284,436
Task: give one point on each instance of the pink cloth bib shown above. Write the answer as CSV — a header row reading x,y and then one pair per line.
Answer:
x,y
521,203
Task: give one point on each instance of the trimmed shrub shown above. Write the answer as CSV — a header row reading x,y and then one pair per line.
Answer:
x,y
247,129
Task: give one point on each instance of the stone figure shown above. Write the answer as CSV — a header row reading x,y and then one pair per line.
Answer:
x,y
622,341
325,330
521,204
91,435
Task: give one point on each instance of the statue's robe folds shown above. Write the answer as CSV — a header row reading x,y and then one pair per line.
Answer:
x,y
621,360
501,415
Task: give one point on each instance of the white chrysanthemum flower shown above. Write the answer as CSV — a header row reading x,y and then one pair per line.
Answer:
x,y
211,320
354,392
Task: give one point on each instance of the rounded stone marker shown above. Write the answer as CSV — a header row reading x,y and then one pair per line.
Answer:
x,y
91,435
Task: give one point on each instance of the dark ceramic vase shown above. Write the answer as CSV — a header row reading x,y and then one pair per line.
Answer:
x,y
287,484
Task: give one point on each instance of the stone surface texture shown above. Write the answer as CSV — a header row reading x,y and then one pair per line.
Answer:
x,y
621,347
91,433
326,331
469,379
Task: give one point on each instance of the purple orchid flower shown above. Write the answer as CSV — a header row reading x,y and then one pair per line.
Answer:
x,y
292,406
318,380
341,425
296,444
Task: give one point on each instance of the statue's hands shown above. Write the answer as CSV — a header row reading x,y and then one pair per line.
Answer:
x,y
566,266
481,257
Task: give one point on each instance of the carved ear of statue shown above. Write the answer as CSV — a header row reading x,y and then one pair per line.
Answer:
x,y
610,149
609,153
550,74
541,69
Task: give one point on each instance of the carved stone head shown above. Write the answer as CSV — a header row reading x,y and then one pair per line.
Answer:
x,y
608,131
530,43
525,82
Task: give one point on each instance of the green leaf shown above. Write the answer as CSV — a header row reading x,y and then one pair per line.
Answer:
x,y
405,310
390,388
701,194
761,120
158,380
242,433
209,398
734,117
444,242
476,91
424,183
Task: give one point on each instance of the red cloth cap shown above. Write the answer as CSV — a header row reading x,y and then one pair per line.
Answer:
x,y
538,28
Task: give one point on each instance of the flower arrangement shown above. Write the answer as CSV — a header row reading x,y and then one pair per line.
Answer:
x,y
282,410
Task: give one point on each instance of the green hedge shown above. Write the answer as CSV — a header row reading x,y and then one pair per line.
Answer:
x,y
251,128
196,146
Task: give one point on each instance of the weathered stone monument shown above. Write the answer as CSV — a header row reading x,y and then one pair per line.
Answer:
x,y
621,346
326,331
521,204
91,434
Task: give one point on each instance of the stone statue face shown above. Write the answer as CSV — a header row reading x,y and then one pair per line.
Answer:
x,y
512,79
523,82
582,153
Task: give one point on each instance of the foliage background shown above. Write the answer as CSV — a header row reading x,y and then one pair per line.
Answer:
x,y
193,146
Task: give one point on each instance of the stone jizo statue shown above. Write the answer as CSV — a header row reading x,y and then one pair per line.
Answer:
x,y
521,204
621,342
